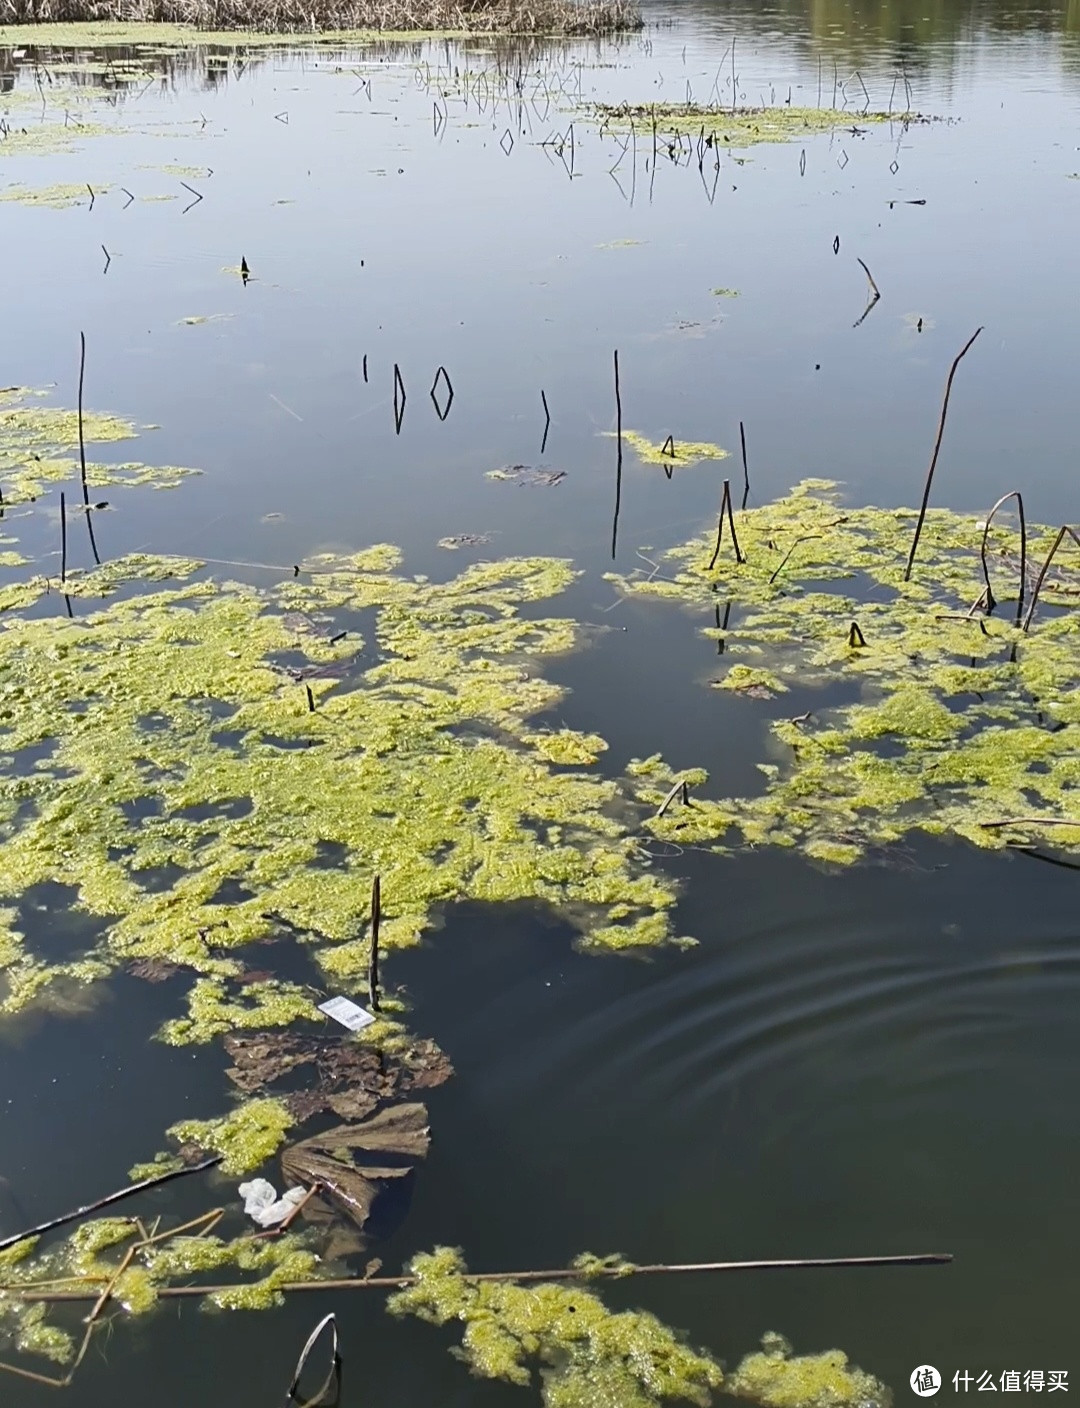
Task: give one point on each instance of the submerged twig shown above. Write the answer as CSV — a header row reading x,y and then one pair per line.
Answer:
x,y
1046,567
937,447
128,1192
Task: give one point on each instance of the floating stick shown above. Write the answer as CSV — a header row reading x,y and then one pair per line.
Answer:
x,y
26,1292
128,1192
934,459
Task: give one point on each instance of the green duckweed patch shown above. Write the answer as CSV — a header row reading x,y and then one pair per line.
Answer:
x,y
956,723
585,1353
671,453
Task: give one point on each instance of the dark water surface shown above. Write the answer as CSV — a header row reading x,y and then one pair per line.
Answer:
x,y
880,1062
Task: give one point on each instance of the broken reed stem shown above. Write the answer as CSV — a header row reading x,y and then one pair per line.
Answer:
x,y
547,422
618,459
128,1192
937,447
63,538
1045,568
745,470
373,965
679,787
873,285
561,1273
988,593
725,505
82,443
335,1363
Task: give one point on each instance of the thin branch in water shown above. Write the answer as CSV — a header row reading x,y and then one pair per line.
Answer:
x,y
1062,531
128,1192
681,789
547,422
25,1292
988,594
1030,821
937,448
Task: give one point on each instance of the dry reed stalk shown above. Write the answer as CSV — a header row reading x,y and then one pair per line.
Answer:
x,y
512,17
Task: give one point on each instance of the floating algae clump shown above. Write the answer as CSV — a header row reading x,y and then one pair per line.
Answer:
x,y
671,453
246,1138
776,1379
587,1354
36,445
211,746
952,721
741,127
59,197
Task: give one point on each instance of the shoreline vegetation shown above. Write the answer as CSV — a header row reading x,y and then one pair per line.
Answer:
x,y
337,17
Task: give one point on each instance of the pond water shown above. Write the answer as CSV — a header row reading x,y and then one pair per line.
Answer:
x,y
875,1060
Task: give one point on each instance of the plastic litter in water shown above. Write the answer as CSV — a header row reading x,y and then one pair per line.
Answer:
x,y
262,1204
349,1014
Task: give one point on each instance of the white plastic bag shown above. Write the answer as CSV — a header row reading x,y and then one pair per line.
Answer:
x,y
262,1204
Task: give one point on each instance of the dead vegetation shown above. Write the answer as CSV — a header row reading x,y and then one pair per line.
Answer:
x,y
557,17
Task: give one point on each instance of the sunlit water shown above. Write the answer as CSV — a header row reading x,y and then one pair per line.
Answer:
x,y
875,1063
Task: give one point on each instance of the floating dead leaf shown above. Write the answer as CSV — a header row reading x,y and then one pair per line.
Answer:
x,y
464,540
341,1159
525,476
350,1078
153,970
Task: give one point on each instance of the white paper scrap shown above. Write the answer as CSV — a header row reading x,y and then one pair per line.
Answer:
x,y
349,1014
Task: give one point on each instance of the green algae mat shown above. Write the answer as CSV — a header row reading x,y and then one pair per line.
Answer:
x,y
206,765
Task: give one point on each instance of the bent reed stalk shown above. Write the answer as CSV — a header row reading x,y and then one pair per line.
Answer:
x,y
560,17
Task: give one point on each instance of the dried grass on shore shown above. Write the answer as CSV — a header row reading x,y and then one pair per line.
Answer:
x,y
558,17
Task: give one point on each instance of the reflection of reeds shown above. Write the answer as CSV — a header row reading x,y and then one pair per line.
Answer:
x,y
484,16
